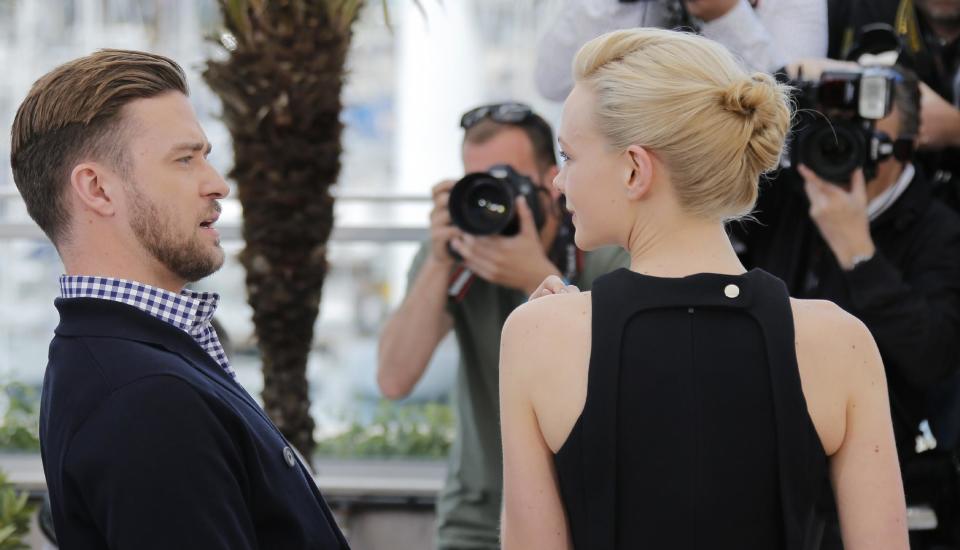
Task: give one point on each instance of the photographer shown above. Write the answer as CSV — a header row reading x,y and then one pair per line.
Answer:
x,y
767,34
929,32
883,249
474,297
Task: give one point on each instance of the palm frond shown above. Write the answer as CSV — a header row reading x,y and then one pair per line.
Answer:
x,y
386,15
236,18
343,13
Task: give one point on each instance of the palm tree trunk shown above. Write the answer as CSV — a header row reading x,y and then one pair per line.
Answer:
x,y
280,88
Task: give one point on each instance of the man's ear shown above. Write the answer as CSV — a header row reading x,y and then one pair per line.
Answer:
x,y
93,187
640,176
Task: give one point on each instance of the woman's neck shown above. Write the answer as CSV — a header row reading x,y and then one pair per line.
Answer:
x,y
683,248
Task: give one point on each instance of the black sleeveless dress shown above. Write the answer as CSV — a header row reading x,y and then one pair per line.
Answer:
x,y
695,433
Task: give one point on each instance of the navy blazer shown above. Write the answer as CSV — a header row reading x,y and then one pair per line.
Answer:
x,y
148,443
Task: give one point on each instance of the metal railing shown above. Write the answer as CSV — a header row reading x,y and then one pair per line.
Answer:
x,y
231,231
8,192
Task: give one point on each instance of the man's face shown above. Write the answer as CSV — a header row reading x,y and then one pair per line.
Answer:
x,y
510,146
889,168
940,11
172,189
890,124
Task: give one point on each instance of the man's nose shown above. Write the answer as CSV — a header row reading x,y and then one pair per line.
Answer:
x,y
215,185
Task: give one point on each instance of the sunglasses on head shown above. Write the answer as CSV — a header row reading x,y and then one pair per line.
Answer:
x,y
509,113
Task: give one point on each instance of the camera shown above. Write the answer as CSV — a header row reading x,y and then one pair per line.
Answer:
x,y
484,203
834,131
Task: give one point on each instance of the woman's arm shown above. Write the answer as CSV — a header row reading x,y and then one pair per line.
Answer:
x,y
864,471
776,33
574,23
533,515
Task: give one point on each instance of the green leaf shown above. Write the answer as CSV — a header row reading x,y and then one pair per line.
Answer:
x,y
15,515
235,13
20,423
395,430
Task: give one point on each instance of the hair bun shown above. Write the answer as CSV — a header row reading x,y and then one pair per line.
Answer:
x,y
750,97
763,103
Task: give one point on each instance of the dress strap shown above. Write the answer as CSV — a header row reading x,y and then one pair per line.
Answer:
x,y
802,459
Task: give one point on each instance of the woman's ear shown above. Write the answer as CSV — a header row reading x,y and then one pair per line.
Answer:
x,y
640,177
88,182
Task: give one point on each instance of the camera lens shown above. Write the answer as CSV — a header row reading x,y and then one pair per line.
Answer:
x,y
487,205
833,151
481,205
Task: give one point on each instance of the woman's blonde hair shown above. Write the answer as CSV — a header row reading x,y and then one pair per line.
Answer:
x,y
684,97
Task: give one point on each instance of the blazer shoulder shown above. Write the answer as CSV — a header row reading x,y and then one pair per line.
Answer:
x,y
161,404
85,373
118,361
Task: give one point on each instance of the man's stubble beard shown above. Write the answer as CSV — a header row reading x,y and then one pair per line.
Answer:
x,y
187,258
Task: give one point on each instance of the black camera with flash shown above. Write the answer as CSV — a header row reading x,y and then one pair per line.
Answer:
x,y
835,128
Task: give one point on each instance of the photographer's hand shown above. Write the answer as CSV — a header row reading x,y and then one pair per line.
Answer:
x,y
518,262
441,228
939,121
841,216
708,10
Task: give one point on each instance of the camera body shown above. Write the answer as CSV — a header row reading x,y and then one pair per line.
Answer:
x,y
484,203
834,132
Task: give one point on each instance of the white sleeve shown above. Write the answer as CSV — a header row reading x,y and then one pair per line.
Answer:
x,y
774,34
577,22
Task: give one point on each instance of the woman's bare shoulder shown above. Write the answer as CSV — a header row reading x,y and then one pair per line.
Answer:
x,y
543,317
824,318
839,365
834,337
548,327
544,359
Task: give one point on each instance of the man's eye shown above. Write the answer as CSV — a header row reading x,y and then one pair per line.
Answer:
x,y
185,160
564,157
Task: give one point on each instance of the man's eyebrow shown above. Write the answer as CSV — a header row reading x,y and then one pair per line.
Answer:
x,y
192,146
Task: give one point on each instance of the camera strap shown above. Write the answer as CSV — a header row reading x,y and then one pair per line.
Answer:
x,y
461,279
564,254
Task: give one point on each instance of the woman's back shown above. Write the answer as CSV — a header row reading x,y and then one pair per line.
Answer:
x,y
693,379
693,450
706,409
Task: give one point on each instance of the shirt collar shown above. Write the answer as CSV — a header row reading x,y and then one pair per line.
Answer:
x,y
189,310
882,202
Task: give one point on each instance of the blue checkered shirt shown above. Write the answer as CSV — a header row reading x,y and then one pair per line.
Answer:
x,y
189,311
